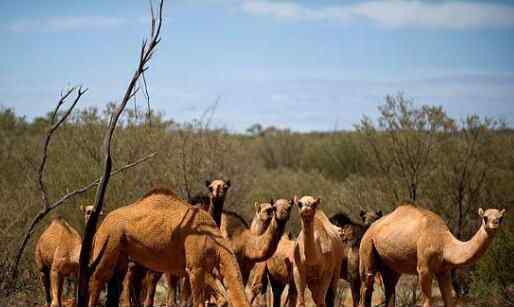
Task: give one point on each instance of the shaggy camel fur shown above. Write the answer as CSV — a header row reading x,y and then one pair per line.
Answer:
x,y
318,253
412,240
351,236
165,234
57,255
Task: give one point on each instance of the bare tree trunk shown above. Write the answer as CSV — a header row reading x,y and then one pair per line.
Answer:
x,y
85,270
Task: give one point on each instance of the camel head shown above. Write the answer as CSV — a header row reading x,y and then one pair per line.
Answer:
x,y
264,211
491,218
217,188
307,206
282,209
368,217
88,210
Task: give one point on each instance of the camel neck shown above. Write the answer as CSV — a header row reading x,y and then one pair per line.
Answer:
x,y
216,209
311,252
261,247
459,253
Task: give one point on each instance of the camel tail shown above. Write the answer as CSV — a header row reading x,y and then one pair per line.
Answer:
x,y
232,278
96,261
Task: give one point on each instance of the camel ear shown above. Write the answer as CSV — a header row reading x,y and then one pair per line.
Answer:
x,y
207,183
257,207
502,211
481,212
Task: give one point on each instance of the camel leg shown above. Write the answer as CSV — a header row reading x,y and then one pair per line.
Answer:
x,y
300,282
355,285
44,275
152,278
389,279
445,285
292,296
196,278
108,248
367,270
258,282
319,292
172,282
185,294
425,281
56,281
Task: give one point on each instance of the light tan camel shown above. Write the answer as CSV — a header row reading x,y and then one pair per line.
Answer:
x,y
412,240
147,280
165,234
351,235
318,253
57,256
249,247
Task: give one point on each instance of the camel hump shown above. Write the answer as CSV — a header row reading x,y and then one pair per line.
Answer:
x,y
160,191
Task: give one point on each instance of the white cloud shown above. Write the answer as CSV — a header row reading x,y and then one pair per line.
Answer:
x,y
66,23
393,14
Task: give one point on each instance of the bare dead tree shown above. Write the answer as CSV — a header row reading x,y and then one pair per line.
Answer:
x,y
146,53
48,206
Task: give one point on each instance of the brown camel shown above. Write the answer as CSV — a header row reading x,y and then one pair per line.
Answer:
x,y
279,270
351,236
147,280
165,234
318,253
413,241
262,217
251,248
57,256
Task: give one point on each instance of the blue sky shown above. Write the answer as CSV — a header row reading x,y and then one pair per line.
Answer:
x,y
306,65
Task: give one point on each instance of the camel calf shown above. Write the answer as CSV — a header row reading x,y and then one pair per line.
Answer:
x,y
57,256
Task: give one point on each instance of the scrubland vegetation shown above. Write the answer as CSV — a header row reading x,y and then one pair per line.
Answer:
x,y
417,153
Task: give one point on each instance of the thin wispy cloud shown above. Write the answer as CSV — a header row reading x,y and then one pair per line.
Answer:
x,y
392,14
66,24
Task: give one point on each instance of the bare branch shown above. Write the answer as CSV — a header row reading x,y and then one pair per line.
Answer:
x,y
46,210
145,55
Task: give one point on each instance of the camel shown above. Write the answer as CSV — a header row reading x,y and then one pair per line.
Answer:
x,y
262,218
318,253
249,247
217,193
165,234
412,240
147,280
57,255
351,235
279,270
